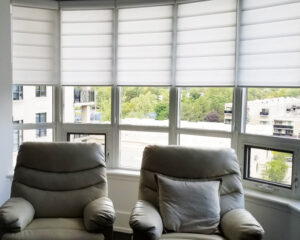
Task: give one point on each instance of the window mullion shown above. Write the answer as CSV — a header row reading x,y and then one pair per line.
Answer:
x,y
173,112
237,96
58,98
113,160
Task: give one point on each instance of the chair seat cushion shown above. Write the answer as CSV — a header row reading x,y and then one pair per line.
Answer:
x,y
190,236
54,229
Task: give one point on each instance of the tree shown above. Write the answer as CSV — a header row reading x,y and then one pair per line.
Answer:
x,y
197,103
162,111
276,169
103,102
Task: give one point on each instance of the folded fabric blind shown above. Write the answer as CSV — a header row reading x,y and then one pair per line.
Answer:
x,y
34,45
206,35
270,43
145,45
86,47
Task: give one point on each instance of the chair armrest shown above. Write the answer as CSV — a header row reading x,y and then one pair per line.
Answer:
x,y
99,214
239,224
145,221
16,214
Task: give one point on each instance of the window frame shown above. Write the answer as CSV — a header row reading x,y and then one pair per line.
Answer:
x,y
247,157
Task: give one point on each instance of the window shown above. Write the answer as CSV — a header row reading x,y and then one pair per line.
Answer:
x,y
87,104
41,118
17,137
41,91
269,165
88,138
204,142
29,135
35,35
267,112
165,74
206,108
133,144
145,106
26,110
17,92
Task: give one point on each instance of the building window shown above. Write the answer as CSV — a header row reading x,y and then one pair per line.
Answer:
x,y
270,166
41,118
41,91
17,92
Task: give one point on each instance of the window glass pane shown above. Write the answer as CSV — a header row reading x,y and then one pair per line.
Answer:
x,y
273,111
133,144
26,105
145,106
40,91
30,135
88,138
87,104
270,165
201,141
206,108
17,92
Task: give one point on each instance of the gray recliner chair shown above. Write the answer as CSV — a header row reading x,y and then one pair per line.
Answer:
x,y
59,191
236,223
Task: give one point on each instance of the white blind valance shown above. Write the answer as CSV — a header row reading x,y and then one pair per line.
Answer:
x,y
206,35
145,46
34,45
270,43
86,47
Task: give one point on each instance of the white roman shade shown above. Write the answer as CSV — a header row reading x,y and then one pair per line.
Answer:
x,y
145,46
270,43
34,46
206,34
86,47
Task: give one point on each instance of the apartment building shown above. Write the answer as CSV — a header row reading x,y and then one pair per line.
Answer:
x,y
274,116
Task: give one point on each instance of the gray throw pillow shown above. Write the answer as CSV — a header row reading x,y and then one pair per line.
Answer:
x,y
189,206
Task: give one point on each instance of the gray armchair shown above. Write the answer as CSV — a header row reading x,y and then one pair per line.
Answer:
x,y
236,223
59,191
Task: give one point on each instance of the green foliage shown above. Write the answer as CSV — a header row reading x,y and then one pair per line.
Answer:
x,y
103,102
145,102
162,111
264,93
197,103
276,169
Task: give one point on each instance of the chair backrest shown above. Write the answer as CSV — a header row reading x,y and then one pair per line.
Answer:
x,y
192,163
59,179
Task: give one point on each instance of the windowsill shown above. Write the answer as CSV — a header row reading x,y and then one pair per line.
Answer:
x,y
277,202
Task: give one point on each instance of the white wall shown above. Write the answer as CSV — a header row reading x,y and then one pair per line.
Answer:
x,y
278,220
5,100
